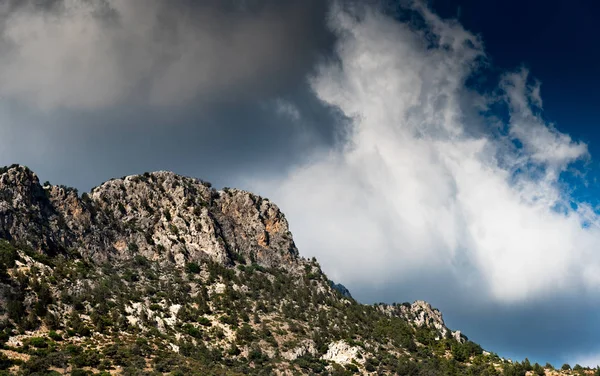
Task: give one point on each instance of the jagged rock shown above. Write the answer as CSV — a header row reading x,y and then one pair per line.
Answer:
x,y
161,216
342,353
307,347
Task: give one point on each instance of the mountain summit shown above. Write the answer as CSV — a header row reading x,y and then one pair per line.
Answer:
x,y
161,216
162,274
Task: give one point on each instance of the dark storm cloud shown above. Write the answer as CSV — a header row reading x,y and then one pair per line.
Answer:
x,y
95,89
94,54
221,143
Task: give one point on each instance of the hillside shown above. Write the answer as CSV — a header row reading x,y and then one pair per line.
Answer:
x,y
162,274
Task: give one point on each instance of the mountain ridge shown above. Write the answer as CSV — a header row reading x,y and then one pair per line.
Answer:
x,y
159,273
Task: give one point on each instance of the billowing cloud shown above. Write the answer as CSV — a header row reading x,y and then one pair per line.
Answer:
x,y
414,194
92,54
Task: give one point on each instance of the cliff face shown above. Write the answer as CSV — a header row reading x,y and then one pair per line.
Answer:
x,y
161,216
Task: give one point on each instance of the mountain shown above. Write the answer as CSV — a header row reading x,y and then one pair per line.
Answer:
x,y
163,274
341,289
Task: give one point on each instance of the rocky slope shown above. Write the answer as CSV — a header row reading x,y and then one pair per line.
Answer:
x,y
162,274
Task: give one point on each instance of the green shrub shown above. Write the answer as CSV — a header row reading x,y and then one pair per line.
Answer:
x,y
228,319
8,256
352,367
256,355
55,336
234,350
244,334
310,363
86,359
193,331
192,268
155,307
80,372
38,342
5,363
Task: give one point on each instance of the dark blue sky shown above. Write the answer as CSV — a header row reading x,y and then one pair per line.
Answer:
x,y
558,42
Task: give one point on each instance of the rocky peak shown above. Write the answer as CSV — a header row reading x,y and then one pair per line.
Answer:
x,y
422,314
26,211
161,216
341,289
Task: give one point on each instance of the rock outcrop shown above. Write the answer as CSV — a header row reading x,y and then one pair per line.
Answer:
x,y
422,314
342,353
161,216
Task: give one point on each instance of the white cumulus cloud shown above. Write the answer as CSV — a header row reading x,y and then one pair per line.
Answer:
x,y
425,181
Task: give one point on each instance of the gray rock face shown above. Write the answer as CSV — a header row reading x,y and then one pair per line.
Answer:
x,y
27,213
161,215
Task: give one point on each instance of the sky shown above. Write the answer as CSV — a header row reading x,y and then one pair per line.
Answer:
x,y
445,151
